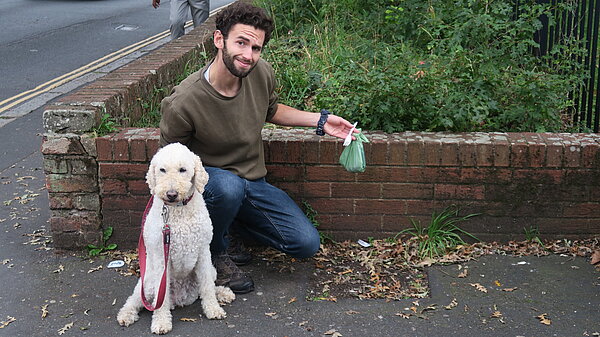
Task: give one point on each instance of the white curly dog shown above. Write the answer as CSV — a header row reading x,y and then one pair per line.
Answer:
x,y
176,179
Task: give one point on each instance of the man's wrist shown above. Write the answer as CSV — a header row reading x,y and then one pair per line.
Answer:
x,y
321,123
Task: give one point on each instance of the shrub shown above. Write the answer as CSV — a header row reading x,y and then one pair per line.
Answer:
x,y
464,65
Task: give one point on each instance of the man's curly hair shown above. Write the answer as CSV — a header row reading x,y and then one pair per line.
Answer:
x,y
246,14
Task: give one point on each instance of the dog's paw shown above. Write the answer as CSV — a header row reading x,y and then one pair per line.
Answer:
x,y
224,294
127,317
161,326
215,312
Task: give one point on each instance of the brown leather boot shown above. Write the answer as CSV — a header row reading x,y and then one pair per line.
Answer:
x,y
229,275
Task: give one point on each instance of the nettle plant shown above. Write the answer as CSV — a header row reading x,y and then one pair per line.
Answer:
x,y
424,65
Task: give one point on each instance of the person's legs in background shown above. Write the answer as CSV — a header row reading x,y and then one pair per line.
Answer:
x,y
177,17
200,10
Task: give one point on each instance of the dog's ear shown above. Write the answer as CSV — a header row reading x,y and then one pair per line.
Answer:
x,y
200,175
151,178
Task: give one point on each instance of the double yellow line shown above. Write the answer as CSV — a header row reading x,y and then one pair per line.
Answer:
x,y
56,82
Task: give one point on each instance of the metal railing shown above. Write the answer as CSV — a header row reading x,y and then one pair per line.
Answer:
x,y
581,23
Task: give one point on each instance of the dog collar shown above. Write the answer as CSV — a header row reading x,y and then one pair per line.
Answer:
x,y
186,201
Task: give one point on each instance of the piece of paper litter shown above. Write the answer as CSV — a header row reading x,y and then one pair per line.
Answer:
x,y
116,264
363,243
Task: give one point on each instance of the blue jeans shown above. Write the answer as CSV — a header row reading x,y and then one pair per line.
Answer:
x,y
263,211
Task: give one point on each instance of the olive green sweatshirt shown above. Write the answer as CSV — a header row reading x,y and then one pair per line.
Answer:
x,y
224,131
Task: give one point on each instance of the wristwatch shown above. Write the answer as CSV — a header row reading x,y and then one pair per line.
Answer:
x,y
322,121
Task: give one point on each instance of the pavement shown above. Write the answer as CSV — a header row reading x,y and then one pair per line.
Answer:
x,y
50,293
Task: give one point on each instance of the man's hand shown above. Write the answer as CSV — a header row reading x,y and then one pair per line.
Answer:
x,y
338,127
155,3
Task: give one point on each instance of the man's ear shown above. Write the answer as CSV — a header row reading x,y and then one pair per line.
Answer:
x,y
218,39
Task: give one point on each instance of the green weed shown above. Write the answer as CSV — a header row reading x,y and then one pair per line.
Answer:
x,y
94,250
441,234
108,124
532,234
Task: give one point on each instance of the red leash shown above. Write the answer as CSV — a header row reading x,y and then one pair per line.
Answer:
x,y
142,257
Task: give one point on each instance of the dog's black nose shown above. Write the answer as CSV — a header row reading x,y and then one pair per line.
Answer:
x,y
172,195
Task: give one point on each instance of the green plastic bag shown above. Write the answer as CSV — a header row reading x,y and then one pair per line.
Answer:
x,y
353,156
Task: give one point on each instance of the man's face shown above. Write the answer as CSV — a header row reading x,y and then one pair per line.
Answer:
x,y
242,48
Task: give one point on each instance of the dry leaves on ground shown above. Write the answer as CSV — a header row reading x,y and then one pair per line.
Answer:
x,y
44,311
64,329
186,319
9,319
544,319
479,287
595,257
392,269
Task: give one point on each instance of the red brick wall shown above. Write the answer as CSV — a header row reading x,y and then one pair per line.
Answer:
x,y
514,180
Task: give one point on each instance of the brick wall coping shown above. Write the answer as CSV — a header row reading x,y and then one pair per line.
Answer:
x,y
469,149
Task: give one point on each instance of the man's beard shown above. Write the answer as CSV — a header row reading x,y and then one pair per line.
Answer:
x,y
228,60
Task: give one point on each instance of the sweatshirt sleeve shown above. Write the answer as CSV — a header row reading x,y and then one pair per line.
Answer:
x,y
174,128
273,97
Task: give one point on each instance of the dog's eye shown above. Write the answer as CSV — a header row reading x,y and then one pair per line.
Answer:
x,y
182,170
163,170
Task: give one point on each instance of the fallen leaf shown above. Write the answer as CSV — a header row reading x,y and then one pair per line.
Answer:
x,y
403,315
60,268
429,308
463,273
333,333
510,289
496,314
270,314
426,262
478,287
292,300
497,283
44,311
596,257
544,319
352,312
185,319
64,329
9,320
452,305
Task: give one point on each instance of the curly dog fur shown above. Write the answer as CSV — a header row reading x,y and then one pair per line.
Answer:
x,y
175,175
